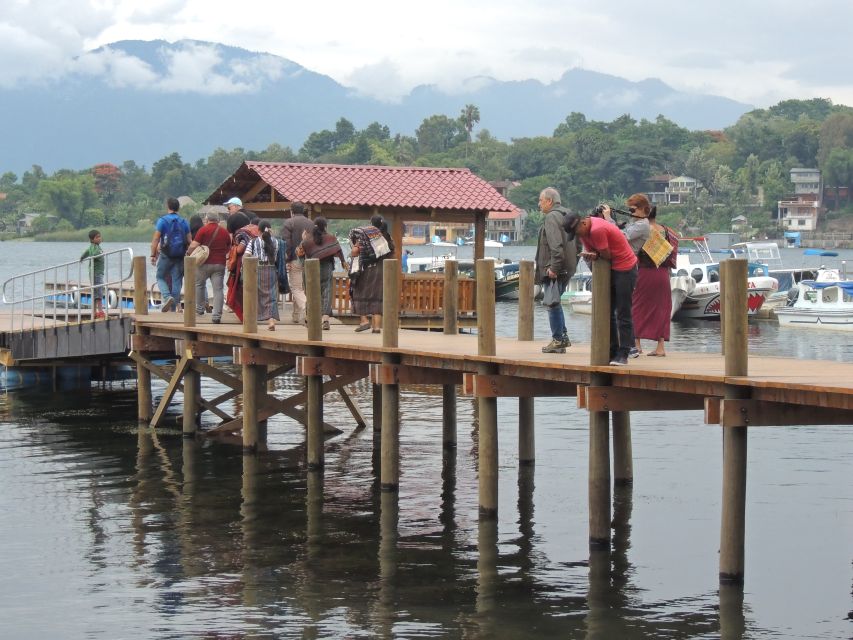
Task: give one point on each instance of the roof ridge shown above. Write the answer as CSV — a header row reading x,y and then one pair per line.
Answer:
x,y
379,167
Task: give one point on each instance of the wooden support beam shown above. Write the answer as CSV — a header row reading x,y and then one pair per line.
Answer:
x,y
254,190
622,399
582,396
213,373
270,406
143,342
758,413
321,366
180,369
353,407
255,355
402,374
201,349
497,386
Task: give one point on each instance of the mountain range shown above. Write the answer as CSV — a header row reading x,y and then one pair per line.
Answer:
x,y
142,100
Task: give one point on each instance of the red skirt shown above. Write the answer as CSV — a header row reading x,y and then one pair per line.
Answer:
x,y
651,305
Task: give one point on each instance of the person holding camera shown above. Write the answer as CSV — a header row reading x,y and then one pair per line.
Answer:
x,y
556,259
602,239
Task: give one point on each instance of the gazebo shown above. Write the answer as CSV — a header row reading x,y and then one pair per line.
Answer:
x,y
357,192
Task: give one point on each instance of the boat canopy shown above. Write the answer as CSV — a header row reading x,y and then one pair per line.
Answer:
x,y
844,285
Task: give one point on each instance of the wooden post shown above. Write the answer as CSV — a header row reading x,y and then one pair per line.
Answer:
x,y
377,408
314,303
396,224
488,579
480,235
733,520
314,384
252,376
190,265
390,453
451,327
526,412
145,408
250,294
488,407
599,421
140,286
623,462
192,393
451,297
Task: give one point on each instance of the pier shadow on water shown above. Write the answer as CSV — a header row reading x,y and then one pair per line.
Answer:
x,y
154,535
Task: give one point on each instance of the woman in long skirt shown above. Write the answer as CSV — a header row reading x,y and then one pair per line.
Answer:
x,y
371,245
324,247
651,304
265,248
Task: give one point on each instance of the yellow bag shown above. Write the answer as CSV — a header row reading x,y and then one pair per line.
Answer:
x,y
657,248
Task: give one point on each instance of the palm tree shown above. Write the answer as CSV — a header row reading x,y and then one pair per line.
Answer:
x,y
470,116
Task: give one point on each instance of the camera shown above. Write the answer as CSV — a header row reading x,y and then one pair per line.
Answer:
x,y
598,212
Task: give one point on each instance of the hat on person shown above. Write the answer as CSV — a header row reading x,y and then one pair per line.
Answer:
x,y
235,201
570,224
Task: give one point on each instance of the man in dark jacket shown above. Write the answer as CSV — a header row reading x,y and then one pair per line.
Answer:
x,y
556,260
297,224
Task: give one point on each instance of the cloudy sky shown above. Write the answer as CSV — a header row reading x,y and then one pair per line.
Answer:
x,y
755,51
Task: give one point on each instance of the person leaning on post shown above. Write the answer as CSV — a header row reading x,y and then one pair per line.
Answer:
x,y
556,260
601,239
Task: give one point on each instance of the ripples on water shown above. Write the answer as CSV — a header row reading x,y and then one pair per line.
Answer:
x,y
112,532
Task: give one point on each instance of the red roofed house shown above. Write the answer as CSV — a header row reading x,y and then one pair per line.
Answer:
x,y
357,192
505,226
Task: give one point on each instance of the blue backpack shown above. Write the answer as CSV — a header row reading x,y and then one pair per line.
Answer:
x,y
174,242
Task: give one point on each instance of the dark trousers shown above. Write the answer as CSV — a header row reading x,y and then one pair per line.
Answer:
x,y
622,285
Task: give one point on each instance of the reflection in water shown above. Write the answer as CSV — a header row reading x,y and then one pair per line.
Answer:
x,y
193,538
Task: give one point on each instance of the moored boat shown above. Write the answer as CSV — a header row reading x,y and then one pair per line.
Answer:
x,y
825,303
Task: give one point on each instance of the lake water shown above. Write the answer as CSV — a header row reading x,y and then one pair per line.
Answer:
x,y
110,531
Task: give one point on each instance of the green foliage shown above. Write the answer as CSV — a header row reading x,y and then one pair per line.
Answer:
x,y
69,196
439,133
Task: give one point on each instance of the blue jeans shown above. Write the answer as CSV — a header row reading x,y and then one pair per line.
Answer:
x,y
170,269
556,317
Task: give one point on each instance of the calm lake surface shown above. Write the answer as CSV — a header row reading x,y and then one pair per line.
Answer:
x,y
110,531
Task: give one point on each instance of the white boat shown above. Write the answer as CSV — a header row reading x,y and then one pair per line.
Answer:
x,y
823,303
578,295
703,302
767,253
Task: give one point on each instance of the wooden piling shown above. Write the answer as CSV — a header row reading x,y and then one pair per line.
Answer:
x,y
314,384
526,413
623,462
390,447
140,286
192,394
733,521
252,376
488,407
190,266
451,327
599,427
451,297
145,406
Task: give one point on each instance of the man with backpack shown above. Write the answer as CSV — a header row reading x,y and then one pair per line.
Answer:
x,y
168,248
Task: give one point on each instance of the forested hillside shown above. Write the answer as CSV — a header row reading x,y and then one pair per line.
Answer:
x,y
741,170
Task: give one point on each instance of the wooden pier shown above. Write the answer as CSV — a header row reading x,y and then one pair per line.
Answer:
x,y
732,390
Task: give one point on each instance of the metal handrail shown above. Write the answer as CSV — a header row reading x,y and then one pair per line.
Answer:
x,y
28,292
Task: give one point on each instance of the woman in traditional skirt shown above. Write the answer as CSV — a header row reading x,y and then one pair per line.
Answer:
x,y
371,245
324,247
265,249
243,235
651,305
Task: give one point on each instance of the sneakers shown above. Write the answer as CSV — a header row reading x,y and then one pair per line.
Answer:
x,y
199,312
565,342
634,353
325,325
618,361
216,320
168,304
555,346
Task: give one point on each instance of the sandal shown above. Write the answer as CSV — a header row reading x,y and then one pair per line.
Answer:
x,y
363,327
656,354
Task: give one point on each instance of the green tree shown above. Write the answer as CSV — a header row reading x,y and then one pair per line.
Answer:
x,y
838,171
836,131
69,196
377,131
469,117
171,177
438,134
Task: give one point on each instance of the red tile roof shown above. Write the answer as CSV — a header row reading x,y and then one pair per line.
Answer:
x,y
505,215
368,185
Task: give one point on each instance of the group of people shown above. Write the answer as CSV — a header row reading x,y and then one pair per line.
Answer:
x,y
640,299
280,262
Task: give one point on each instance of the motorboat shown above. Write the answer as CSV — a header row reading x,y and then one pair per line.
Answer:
x,y
767,253
506,273
823,303
703,302
578,293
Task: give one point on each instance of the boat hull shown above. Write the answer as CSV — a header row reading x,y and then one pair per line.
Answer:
x,y
815,319
703,303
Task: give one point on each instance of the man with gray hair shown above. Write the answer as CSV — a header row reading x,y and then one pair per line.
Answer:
x,y
556,260
217,240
